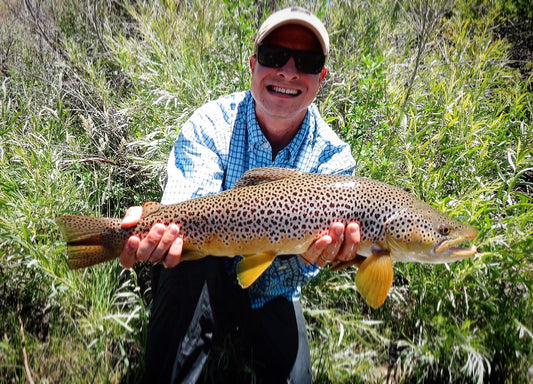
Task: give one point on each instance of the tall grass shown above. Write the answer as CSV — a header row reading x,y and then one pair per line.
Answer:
x,y
428,96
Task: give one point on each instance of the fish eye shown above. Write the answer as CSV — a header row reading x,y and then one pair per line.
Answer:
x,y
444,230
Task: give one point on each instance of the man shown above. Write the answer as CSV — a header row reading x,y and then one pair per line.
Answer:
x,y
198,306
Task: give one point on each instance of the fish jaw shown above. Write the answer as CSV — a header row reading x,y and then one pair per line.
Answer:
x,y
446,251
443,251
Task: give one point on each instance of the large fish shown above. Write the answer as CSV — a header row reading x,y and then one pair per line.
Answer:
x,y
273,211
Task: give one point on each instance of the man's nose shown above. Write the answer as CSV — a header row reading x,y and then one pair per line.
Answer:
x,y
289,70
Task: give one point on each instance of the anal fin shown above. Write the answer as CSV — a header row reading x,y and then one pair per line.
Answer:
x,y
83,256
374,277
190,255
252,266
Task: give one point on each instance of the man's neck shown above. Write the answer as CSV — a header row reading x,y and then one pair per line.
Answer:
x,y
279,132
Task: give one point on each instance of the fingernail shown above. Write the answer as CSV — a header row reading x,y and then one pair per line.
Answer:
x,y
131,247
172,230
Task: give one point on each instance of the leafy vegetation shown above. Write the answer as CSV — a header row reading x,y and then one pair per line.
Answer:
x,y
432,95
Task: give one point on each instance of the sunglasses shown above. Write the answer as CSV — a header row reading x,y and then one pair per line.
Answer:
x,y
311,62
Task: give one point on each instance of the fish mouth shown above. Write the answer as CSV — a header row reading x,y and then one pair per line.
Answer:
x,y
447,249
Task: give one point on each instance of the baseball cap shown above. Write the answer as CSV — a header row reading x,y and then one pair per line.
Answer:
x,y
298,16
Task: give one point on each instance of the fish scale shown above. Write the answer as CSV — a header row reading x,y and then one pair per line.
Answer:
x,y
274,212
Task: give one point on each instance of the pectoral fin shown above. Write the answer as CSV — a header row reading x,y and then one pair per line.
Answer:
x,y
374,277
252,266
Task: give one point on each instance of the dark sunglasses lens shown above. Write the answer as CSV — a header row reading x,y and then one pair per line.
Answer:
x,y
276,57
273,57
309,62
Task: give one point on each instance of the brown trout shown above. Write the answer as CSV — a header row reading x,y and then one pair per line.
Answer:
x,y
273,211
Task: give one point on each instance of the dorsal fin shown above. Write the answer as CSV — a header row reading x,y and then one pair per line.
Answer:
x,y
150,207
258,176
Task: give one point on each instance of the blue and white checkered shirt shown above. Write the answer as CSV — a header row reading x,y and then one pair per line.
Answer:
x,y
221,141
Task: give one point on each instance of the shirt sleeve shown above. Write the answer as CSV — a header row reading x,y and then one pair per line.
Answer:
x,y
196,163
337,161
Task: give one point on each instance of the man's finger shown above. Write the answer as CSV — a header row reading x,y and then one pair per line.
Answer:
x,y
170,234
336,232
352,238
174,253
150,242
312,255
128,254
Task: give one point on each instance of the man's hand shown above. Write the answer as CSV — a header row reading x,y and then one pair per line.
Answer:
x,y
338,245
162,243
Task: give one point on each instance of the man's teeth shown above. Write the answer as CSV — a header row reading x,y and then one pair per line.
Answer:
x,y
285,91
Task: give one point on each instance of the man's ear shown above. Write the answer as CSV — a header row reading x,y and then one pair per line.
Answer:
x,y
323,74
253,61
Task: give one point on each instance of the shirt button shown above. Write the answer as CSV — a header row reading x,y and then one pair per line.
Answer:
x,y
266,145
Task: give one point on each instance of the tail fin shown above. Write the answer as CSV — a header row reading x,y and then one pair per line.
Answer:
x,y
90,240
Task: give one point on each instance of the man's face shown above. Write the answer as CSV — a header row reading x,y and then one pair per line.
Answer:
x,y
285,92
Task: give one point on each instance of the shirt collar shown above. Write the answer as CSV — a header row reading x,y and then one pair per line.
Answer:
x,y
302,135
256,136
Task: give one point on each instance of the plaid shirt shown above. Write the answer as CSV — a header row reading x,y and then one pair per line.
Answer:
x,y
221,141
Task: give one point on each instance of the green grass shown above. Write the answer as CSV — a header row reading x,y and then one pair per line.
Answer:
x,y
91,100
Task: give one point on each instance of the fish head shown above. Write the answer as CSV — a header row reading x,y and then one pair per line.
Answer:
x,y
423,234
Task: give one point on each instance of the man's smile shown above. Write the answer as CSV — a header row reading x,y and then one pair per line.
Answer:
x,y
284,91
